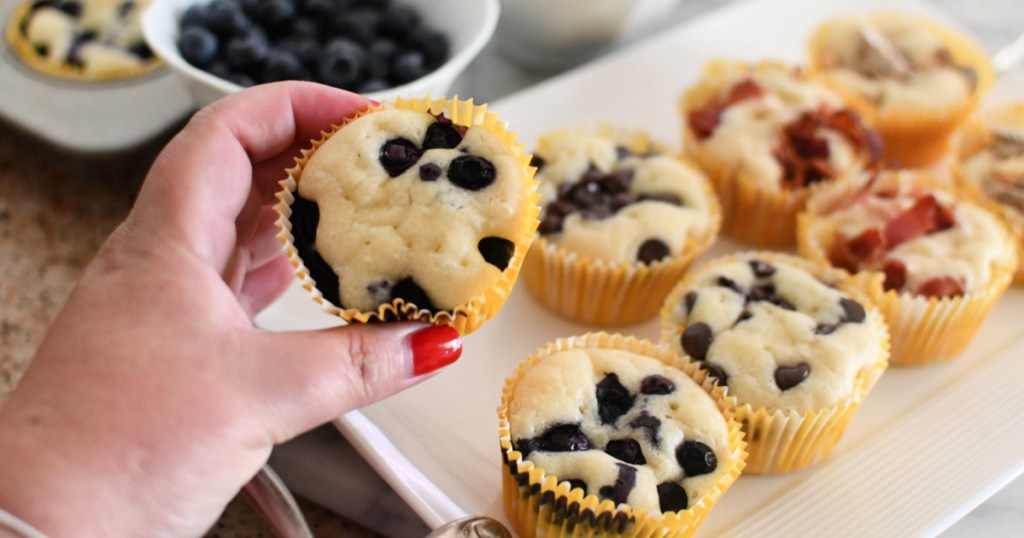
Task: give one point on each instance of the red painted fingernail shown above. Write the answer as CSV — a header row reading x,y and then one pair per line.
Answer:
x,y
434,347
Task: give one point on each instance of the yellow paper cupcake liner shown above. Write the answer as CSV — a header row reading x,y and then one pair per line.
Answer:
x,y
923,330
27,53
751,213
782,440
465,318
911,138
538,505
606,292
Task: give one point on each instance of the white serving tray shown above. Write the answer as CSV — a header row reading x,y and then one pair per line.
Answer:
x,y
91,118
927,446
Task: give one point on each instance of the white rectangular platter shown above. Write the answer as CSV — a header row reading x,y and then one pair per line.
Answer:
x,y
927,446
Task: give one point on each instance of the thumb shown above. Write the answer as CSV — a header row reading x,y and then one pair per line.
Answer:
x,y
304,379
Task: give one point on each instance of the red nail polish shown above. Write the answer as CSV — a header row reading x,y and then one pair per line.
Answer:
x,y
434,347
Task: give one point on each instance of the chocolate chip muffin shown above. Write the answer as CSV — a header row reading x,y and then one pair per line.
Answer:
x,y
417,210
608,418
82,39
788,342
913,79
767,134
620,214
933,262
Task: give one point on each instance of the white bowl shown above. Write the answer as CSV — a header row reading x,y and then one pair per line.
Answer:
x,y
469,25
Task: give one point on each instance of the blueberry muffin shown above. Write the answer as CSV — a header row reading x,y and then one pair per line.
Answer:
x,y
622,218
797,352
82,39
614,434
767,135
933,262
418,210
990,164
914,80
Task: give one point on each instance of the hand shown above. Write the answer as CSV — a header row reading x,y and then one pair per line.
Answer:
x,y
152,400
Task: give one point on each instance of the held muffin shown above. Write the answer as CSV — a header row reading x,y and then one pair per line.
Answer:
x,y
912,79
768,135
797,351
933,263
612,436
622,219
421,209
82,39
990,164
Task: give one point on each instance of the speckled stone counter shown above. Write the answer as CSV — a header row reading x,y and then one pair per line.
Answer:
x,y
55,211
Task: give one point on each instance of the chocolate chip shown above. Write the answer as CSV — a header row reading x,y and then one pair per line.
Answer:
x,y
825,328
672,497
624,483
761,269
576,483
744,316
727,282
689,300
787,377
696,458
656,385
430,172
613,400
410,292
442,135
627,450
651,251
305,218
621,152
650,424
537,162
550,224
717,372
853,311
621,200
496,251
697,339
618,181
398,155
782,303
764,292
472,173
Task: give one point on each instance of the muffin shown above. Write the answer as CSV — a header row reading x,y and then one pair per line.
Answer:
x,y
82,39
768,135
990,164
622,219
797,350
418,210
912,79
932,262
612,436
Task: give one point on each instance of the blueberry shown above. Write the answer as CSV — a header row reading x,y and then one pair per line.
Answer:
x,y
198,46
432,172
141,50
672,497
649,424
226,19
696,458
305,50
624,484
379,56
305,219
282,65
657,385
72,8
359,26
378,5
398,155
613,399
195,15
247,52
378,85
398,21
471,173
557,438
125,9
241,79
39,4
627,450
410,292
274,14
218,68
300,28
342,63
496,251
317,9
408,66
433,45
575,483
442,135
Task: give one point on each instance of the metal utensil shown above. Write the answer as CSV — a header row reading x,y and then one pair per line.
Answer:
x,y
471,527
275,502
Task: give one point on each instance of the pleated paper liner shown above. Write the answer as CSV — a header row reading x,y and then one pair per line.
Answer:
x,y
27,53
975,136
610,292
537,504
784,440
465,318
923,330
920,137
751,213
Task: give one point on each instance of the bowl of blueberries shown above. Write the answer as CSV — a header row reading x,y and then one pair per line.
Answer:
x,y
379,48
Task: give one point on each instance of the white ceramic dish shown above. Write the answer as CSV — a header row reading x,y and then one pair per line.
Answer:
x,y
927,446
469,24
88,117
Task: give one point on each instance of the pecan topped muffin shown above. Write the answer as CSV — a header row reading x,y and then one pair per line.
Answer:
x,y
82,39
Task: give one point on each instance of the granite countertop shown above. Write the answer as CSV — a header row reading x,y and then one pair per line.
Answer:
x,y
56,209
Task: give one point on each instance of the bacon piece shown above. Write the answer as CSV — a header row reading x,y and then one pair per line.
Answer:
x,y
943,286
862,138
924,217
895,275
704,120
852,254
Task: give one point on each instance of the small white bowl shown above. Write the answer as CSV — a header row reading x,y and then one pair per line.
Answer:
x,y
469,25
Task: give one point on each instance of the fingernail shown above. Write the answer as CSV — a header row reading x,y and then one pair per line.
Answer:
x,y
433,348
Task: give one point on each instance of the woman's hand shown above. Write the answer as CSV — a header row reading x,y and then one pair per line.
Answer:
x,y
153,399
